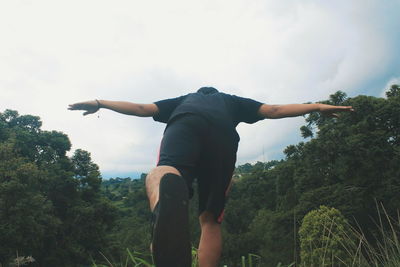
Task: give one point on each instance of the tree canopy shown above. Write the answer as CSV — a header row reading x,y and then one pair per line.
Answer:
x,y
50,205
58,209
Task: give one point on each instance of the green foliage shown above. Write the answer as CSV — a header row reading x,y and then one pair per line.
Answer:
x,y
50,205
25,215
132,223
394,91
349,163
385,251
58,209
137,259
322,237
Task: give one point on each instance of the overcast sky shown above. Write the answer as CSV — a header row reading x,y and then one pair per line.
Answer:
x,y
53,53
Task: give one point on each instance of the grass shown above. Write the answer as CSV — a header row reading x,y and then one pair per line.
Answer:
x,y
382,251
132,259
135,259
385,252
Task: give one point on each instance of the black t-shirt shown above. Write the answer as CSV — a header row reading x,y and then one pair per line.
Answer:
x,y
222,110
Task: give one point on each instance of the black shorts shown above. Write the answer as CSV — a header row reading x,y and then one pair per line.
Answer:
x,y
201,151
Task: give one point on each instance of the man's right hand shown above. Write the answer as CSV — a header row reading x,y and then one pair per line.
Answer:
x,y
90,107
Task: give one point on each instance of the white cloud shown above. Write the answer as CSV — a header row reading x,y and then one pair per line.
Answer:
x,y
53,53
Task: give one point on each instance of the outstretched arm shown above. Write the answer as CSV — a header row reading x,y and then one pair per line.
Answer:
x,y
293,110
128,108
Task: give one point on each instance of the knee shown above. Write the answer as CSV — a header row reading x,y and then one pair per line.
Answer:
x,y
155,175
207,219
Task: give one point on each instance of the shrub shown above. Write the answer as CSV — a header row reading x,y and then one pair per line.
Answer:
x,y
322,238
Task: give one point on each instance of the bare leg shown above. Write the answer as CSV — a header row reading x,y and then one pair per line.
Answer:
x,y
153,182
210,246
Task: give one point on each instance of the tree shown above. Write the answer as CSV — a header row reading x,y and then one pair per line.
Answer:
x,y
349,163
323,238
87,173
394,91
50,205
26,218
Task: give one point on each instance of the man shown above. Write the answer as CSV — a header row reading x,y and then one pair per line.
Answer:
x,y
200,141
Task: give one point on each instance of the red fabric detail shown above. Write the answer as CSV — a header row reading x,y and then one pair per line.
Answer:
x,y
221,216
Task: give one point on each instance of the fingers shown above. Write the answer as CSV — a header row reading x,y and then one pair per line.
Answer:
x,y
76,106
83,105
332,109
71,107
346,108
340,108
88,107
90,111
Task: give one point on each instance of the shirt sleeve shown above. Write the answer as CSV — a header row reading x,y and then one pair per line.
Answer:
x,y
246,109
166,107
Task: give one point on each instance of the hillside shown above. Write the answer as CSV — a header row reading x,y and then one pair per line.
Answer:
x,y
58,210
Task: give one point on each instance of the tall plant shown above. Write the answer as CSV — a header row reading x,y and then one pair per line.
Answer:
x,y
322,238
